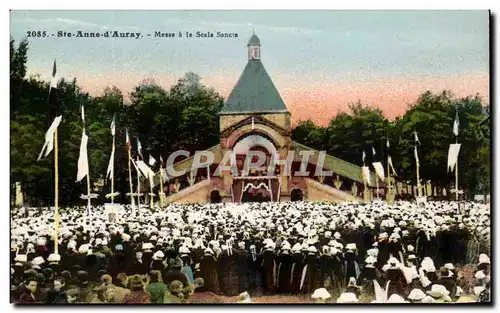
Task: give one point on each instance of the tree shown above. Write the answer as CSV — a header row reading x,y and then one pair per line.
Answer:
x,y
431,116
310,135
185,116
351,134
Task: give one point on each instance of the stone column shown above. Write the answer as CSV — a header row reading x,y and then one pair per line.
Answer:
x,y
283,152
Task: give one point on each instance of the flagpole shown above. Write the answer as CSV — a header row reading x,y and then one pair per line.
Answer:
x,y
160,194
376,182
138,187
130,179
56,194
88,192
151,194
418,179
456,174
113,172
364,178
388,175
364,182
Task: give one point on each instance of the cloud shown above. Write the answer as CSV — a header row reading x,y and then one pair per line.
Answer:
x,y
72,22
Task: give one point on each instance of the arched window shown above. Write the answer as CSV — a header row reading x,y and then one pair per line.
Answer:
x,y
215,197
296,195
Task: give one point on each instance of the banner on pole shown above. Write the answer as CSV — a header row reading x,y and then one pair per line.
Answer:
x,y
453,155
379,169
366,174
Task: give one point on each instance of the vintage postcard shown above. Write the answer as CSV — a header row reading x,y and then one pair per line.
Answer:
x,y
240,157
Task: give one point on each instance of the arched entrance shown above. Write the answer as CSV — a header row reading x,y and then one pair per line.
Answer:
x,y
297,195
215,196
259,193
254,183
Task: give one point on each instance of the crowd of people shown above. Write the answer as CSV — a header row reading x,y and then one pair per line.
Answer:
x,y
205,253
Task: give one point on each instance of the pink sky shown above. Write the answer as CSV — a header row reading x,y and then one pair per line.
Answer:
x,y
319,101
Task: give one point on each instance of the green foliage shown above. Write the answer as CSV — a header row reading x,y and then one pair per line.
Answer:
x,y
184,117
432,116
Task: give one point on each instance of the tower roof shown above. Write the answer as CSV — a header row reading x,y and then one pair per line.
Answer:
x,y
254,93
254,40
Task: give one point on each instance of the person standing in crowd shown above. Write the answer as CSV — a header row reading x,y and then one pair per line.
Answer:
x,y
57,294
137,295
28,296
277,248
175,294
156,287
208,270
175,273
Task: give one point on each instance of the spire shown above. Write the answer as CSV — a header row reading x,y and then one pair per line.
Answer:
x,y
254,47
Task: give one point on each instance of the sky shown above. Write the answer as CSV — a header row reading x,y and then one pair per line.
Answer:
x,y
320,61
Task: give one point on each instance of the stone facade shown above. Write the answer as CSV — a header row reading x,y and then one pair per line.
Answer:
x,y
255,109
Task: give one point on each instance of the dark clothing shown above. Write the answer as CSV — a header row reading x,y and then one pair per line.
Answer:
x,y
310,275
283,273
26,298
396,282
137,297
296,272
208,269
241,262
484,296
54,296
176,274
137,267
269,269
449,283
227,270
254,273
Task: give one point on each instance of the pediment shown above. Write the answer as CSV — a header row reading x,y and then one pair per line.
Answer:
x,y
257,120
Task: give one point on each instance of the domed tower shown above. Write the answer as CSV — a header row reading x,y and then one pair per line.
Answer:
x,y
254,48
253,114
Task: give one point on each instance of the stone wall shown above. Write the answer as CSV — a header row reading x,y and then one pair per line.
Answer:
x,y
320,192
198,193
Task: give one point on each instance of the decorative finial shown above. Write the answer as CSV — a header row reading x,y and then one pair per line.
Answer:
x,y
253,30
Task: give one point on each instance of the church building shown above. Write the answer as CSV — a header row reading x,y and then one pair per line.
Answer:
x,y
255,118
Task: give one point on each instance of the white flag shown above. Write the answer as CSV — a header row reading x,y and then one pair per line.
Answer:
x,y
49,138
83,114
453,155
416,156
456,124
364,156
416,137
113,126
373,151
146,171
379,169
139,148
111,163
152,160
389,159
135,166
366,174
83,164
